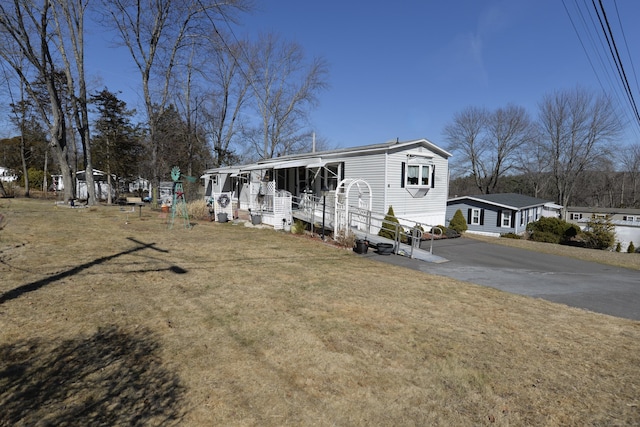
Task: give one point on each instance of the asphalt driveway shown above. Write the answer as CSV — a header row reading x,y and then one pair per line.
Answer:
x,y
592,286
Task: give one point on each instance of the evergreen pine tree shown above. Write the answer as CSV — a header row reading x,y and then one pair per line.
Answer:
x,y
458,223
388,229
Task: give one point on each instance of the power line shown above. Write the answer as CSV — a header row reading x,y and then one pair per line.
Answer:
x,y
624,37
607,54
613,49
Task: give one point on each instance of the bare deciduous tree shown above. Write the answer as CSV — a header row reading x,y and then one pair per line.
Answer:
x,y
576,127
630,160
534,164
155,33
284,87
489,142
229,95
69,16
25,34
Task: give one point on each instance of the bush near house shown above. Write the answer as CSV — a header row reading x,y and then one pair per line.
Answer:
x,y
511,236
552,230
600,234
447,232
631,248
388,229
458,222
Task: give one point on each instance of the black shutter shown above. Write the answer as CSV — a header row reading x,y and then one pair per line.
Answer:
x,y
513,219
402,175
433,176
481,216
469,216
499,220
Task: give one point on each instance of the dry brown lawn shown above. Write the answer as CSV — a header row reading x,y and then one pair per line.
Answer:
x,y
113,320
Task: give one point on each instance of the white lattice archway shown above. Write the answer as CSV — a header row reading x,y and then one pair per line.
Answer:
x,y
352,195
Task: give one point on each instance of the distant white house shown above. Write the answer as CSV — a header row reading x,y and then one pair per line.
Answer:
x,y
411,176
100,182
7,175
140,185
625,220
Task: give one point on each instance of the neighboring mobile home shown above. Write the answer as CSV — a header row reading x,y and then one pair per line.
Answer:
x,y
625,220
102,187
412,176
496,214
7,175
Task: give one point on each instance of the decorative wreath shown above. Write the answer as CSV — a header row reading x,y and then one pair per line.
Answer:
x,y
223,200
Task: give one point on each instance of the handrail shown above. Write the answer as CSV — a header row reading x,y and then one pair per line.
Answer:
x,y
405,231
412,237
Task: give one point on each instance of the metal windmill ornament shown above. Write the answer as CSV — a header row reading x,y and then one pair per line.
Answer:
x,y
179,204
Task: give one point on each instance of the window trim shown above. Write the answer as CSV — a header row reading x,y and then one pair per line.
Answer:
x,y
422,174
505,217
473,216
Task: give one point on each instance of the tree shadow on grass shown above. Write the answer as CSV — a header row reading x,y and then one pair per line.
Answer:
x,y
113,377
34,286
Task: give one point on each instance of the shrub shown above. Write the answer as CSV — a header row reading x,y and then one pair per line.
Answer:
x,y
36,178
388,229
546,226
298,227
544,237
346,240
511,236
631,249
458,223
600,234
618,247
198,209
447,232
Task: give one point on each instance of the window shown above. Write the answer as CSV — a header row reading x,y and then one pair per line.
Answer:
x,y
631,218
505,219
475,216
418,175
575,216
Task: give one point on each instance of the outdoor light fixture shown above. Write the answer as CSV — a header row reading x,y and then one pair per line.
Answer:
x,y
324,192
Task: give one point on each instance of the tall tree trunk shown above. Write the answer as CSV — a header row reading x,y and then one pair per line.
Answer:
x,y
25,170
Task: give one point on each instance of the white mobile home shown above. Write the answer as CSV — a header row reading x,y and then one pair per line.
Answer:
x,y
411,176
102,187
7,175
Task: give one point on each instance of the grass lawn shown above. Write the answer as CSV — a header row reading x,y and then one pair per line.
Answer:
x,y
111,319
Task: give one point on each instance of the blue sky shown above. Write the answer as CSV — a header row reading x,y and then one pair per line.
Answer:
x,y
402,69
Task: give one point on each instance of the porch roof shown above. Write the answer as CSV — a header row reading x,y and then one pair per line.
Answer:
x,y
285,164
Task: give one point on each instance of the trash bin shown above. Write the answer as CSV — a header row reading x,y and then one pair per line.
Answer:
x,y
222,217
256,219
361,246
